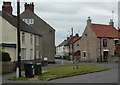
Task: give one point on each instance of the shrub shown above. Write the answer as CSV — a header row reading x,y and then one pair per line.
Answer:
x,y
6,56
68,58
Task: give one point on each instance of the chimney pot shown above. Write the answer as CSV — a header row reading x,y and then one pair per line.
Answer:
x,y
77,35
29,6
89,21
67,38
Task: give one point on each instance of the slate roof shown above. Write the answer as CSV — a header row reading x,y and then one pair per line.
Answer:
x,y
13,21
73,39
42,23
63,43
105,31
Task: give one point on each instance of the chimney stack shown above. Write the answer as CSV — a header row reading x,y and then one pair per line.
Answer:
x,y
29,6
7,7
88,21
111,22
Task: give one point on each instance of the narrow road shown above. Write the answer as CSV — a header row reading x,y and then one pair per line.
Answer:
x,y
109,76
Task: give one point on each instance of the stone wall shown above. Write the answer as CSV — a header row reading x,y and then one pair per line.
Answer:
x,y
7,67
113,59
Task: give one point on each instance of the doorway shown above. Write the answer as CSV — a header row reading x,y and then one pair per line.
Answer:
x,y
105,55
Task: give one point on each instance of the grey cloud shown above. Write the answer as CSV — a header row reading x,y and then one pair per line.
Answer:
x,y
64,15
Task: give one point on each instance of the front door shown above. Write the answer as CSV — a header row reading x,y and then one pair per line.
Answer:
x,y
105,55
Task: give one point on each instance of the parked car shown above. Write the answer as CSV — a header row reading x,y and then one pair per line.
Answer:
x,y
58,56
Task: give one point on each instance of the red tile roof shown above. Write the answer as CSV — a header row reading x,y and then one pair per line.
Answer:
x,y
105,31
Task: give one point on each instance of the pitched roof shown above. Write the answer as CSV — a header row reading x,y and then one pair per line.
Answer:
x,y
63,43
13,21
69,41
105,31
73,39
42,23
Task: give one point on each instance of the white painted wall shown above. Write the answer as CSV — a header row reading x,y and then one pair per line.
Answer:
x,y
27,45
0,29
9,36
9,32
11,51
62,50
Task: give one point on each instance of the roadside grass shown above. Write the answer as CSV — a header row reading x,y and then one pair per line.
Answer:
x,y
68,69
57,71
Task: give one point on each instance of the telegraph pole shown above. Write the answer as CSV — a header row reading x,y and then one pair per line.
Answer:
x,y
72,45
18,39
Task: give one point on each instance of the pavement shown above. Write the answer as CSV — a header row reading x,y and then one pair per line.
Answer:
x,y
109,76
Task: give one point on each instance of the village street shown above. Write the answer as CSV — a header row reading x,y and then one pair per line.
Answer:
x,y
109,76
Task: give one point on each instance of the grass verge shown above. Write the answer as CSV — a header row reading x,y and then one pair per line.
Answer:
x,y
57,71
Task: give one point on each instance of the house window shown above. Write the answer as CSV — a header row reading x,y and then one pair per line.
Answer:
x,y
84,53
32,21
104,42
77,44
37,40
23,38
37,54
23,53
116,41
31,53
31,39
29,21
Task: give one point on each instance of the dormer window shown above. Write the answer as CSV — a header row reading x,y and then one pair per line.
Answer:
x,y
29,21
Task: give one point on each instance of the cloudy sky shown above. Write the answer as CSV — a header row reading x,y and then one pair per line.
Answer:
x,y
63,15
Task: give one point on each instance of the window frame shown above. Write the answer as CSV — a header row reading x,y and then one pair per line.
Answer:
x,y
84,54
29,21
31,53
23,38
23,53
105,42
37,40
31,39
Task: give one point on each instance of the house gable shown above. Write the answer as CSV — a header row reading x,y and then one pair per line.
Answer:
x,y
38,22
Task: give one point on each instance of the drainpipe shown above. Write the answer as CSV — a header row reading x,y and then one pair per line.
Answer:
x,y
100,51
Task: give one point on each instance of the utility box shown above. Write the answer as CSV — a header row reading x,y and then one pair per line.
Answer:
x,y
38,69
28,70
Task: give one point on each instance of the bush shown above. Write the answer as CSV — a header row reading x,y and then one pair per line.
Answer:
x,y
6,56
66,58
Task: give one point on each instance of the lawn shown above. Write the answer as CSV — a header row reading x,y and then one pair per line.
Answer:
x,y
68,69
57,71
